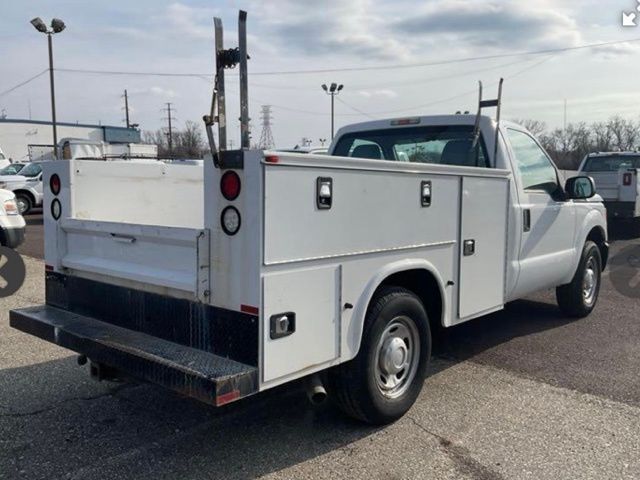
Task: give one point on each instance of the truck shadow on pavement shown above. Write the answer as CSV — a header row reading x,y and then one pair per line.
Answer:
x,y
59,423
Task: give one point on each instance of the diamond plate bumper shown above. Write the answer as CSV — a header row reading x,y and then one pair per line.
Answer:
x,y
192,372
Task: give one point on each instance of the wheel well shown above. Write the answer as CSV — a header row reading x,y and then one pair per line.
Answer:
x,y
597,236
26,193
424,284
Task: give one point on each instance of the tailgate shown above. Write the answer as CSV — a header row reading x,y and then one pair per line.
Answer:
x,y
606,184
176,259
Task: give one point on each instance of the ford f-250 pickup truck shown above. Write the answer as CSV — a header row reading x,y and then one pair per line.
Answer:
x,y
333,267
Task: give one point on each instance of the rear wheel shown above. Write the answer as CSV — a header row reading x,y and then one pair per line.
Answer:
x,y
578,298
24,203
383,381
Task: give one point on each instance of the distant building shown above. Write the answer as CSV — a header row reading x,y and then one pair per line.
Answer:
x,y
22,140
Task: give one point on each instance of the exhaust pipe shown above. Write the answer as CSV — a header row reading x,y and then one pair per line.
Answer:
x,y
315,390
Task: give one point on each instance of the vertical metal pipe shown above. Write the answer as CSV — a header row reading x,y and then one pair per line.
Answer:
x,y
53,98
332,95
219,86
244,81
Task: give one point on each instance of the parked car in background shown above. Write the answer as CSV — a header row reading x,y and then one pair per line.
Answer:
x,y
27,186
617,181
12,224
12,169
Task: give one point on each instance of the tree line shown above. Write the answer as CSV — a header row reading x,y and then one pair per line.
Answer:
x,y
568,146
186,143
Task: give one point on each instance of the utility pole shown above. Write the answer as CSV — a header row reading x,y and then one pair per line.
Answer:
x,y
169,118
564,121
266,137
126,108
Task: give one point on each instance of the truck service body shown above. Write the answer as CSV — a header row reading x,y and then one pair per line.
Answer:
x,y
332,267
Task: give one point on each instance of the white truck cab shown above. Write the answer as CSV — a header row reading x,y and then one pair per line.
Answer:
x,y
331,267
4,161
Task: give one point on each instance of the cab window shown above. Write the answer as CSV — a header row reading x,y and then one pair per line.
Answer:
x,y
535,167
446,145
31,170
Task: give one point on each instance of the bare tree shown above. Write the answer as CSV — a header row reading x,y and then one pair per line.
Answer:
x,y
187,143
536,127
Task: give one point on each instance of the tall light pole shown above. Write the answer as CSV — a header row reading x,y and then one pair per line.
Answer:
x,y
332,90
57,26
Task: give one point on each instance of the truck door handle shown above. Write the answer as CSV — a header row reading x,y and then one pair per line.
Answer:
x,y
526,220
324,193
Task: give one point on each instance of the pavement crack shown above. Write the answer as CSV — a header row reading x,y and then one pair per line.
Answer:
x,y
461,456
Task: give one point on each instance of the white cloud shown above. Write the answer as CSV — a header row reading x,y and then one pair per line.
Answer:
x,y
384,93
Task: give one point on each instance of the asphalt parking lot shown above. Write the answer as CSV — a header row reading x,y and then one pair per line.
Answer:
x,y
523,393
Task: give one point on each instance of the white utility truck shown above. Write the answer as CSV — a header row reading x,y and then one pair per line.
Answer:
x,y
332,267
616,177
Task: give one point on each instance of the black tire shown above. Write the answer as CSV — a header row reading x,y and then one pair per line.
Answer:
x,y
572,298
26,201
354,385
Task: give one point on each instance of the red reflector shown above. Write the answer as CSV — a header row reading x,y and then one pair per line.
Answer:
x,y
249,309
272,159
626,179
48,268
230,185
54,184
227,397
406,121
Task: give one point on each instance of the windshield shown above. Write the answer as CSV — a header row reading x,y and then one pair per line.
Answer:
x,y
447,145
31,170
611,163
11,169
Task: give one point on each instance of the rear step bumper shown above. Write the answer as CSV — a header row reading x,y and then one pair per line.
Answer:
x,y
207,377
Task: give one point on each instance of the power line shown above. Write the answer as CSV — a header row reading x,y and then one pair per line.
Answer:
x,y
364,68
21,84
353,108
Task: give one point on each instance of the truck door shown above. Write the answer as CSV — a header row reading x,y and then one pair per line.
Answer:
x,y
547,221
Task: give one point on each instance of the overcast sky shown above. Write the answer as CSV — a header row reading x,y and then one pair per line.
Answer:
x,y
286,35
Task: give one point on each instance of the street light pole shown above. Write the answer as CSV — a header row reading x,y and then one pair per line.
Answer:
x,y
57,26
332,90
53,98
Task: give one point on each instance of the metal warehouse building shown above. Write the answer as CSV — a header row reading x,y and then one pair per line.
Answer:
x,y
22,140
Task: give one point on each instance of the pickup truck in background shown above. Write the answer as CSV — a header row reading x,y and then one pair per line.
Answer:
x,y
616,177
335,268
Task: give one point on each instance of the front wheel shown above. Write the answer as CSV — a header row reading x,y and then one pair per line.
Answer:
x,y
578,298
383,381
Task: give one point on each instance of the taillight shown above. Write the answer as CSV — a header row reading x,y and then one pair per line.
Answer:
x,y
54,184
626,179
230,185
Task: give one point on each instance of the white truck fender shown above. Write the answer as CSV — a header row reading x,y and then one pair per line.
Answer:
x,y
593,219
356,325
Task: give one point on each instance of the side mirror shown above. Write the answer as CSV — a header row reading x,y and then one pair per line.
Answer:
x,y
580,188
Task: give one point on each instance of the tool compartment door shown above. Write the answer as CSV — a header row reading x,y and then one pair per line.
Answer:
x,y
312,295
483,232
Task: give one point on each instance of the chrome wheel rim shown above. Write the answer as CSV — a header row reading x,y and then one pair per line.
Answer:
x,y
590,282
22,205
397,358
